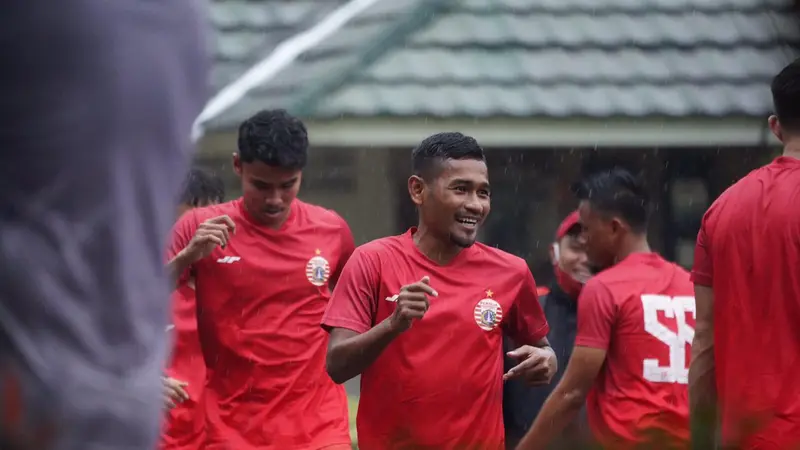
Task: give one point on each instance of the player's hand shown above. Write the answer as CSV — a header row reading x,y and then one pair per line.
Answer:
x,y
174,392
412,304
212,233
537,365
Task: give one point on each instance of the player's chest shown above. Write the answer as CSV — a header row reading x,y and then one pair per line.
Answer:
x,y
256,266
463,308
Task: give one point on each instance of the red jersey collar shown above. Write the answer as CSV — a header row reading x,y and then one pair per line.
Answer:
x,y
463,254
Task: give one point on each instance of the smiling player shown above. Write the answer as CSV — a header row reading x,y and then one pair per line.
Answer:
x,y
421,315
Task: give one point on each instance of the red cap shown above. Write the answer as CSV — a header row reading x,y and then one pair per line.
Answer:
x,y
571,220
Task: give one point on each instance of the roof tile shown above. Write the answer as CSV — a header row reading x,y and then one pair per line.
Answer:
x,y
520,57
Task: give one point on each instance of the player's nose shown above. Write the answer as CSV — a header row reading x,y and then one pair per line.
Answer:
x,y
474,206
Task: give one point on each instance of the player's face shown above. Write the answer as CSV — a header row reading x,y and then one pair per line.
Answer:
x,y
457,201
601,236
268,191
572,257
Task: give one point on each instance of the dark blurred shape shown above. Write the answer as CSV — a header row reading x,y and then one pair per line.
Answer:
x,y
97,100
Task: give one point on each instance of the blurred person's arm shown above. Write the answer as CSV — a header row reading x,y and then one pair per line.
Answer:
x,y
702,376
596,318
702,379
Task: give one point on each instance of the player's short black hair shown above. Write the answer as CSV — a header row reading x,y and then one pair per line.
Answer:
x,y
617,192
201,187
275,138
786,96
443,146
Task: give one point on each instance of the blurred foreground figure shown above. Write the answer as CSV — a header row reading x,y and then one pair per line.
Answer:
x,y
521,403
421,316
186,371
263,264
97,100
635,320
745,370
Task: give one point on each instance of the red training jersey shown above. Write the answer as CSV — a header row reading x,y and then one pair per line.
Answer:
x,y
185,422
641,312
748,252
438,385
260,301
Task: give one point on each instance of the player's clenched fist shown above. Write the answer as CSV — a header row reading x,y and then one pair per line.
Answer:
x,y
412,304
210,234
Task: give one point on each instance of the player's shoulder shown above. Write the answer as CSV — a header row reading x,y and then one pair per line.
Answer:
x,y
735,198
502,259
683,279
383,247
319,215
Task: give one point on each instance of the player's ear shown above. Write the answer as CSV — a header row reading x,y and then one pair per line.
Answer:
x,y
775,127
616,225
416,189
237,164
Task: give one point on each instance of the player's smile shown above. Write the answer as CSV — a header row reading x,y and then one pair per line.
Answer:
x,y
470,223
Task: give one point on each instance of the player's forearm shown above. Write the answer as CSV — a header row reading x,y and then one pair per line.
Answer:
x,y
177,265
351,356
558,411
703,389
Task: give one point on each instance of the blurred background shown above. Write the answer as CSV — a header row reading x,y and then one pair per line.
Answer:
x,y
675,89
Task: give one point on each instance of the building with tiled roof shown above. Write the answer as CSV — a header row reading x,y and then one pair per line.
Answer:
x,y
520,66
552,88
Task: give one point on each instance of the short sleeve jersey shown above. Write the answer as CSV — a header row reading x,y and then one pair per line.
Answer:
x,y
183,429
437,385
748,252
641,312
259,304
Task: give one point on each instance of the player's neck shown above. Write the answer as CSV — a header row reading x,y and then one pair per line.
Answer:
x,y
635,244
434,248
792,149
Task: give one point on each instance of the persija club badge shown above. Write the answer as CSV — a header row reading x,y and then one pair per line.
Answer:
x,y
318,270
488,313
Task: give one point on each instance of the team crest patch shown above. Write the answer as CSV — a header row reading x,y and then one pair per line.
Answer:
x,y
318,270
488,313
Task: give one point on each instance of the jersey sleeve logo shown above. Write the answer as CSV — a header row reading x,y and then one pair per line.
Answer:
x,y
488,313
318,270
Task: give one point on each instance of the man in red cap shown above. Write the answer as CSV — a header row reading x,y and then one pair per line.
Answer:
x,y
521,403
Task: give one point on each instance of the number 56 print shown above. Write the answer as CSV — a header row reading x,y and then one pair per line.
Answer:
x,y
673,307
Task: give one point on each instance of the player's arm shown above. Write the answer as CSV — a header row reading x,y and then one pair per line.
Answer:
x,y
702,378
596,316
191,242
178,263
527,327
354,343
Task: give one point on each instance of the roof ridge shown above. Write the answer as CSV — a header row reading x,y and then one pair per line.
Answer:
x,y
308,101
